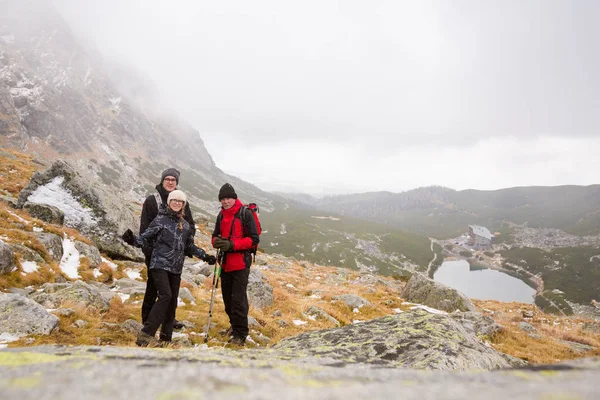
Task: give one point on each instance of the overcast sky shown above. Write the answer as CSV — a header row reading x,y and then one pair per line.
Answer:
x,y
329,97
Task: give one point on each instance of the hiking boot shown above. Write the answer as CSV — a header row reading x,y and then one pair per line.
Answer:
x,y
178,324
145,340
237,340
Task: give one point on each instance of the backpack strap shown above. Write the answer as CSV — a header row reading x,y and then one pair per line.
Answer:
x,y
159,202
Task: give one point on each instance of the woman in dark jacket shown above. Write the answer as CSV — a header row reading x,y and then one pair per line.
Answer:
x,y
169,234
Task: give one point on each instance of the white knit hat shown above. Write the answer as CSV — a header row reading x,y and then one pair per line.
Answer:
x,y
176,195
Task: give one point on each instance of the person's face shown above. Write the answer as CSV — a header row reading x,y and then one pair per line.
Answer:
x,y
176,205
227,203
169,183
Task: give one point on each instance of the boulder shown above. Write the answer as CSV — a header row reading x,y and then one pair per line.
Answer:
x,y
186,296
7,258
423,290
52,295
45,212
260,291
526,327
91,208
90,252
53,244
352,300
410,340
316,312
27,254
477,324
129,286
20,316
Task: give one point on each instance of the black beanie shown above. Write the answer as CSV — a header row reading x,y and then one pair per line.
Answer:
x,y
227,192
170,172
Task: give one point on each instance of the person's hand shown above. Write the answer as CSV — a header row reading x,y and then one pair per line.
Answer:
x,y
128,237
223,244
210,260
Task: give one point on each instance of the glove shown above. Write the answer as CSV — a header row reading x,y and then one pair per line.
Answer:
x,y
223,244
128,237
210,260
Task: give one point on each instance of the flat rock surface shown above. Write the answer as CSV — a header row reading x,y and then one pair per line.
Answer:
x,y
58,372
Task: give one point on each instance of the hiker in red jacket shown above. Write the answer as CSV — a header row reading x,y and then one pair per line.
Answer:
x,y
235,237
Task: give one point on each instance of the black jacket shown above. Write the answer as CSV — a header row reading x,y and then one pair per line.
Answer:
x,y
171,243
150,211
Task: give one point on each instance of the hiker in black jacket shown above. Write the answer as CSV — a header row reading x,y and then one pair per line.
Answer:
x,y
168,183
171,238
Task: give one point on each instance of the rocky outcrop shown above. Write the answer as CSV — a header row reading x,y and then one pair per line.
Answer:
x,y
423,290
412,340
352,300
46,372
20,316
477,323
90,209
260,291
52,295
7,258
45,212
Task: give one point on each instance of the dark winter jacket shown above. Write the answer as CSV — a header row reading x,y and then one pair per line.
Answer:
x,y
243,239
170,242
150,211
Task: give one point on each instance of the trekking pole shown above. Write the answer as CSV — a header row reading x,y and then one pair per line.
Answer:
x,y
215,284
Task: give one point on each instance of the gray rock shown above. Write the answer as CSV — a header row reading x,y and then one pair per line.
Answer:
x,y
591,327
260,291
319,313
186,296
80,323
535,336
91,252
131,325
282,323
66,312
412,340
53,244
477,324
52,295
422,290
194,274
45,212
266,374
524,326
21,316
352,300
129,286
103,212
578,348
27,254
252,322
23,292
7,258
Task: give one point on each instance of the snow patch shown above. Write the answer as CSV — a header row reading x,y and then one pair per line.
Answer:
x,y
299,322
428,309
69,262
36,229
133,274
97,273
7,338
54,194
29,266
111,264
124,297
282,230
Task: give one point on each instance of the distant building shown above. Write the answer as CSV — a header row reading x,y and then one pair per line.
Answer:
x,y
480,237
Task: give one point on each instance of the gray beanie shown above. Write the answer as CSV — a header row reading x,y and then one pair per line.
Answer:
x,y
170,172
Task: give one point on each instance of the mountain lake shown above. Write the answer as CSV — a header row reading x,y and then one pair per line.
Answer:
x,y
483,283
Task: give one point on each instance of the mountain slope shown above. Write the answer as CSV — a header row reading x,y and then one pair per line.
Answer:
x,y
444,213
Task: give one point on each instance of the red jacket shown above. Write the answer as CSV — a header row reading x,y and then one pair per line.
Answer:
x,y
241,256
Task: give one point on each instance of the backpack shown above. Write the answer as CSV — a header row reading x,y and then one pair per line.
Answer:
x,y
242,215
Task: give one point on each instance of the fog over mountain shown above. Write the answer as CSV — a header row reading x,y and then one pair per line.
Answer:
x,y
328,97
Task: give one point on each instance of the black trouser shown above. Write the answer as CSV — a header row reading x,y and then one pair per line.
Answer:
x,y
150,294
233,287
163,311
